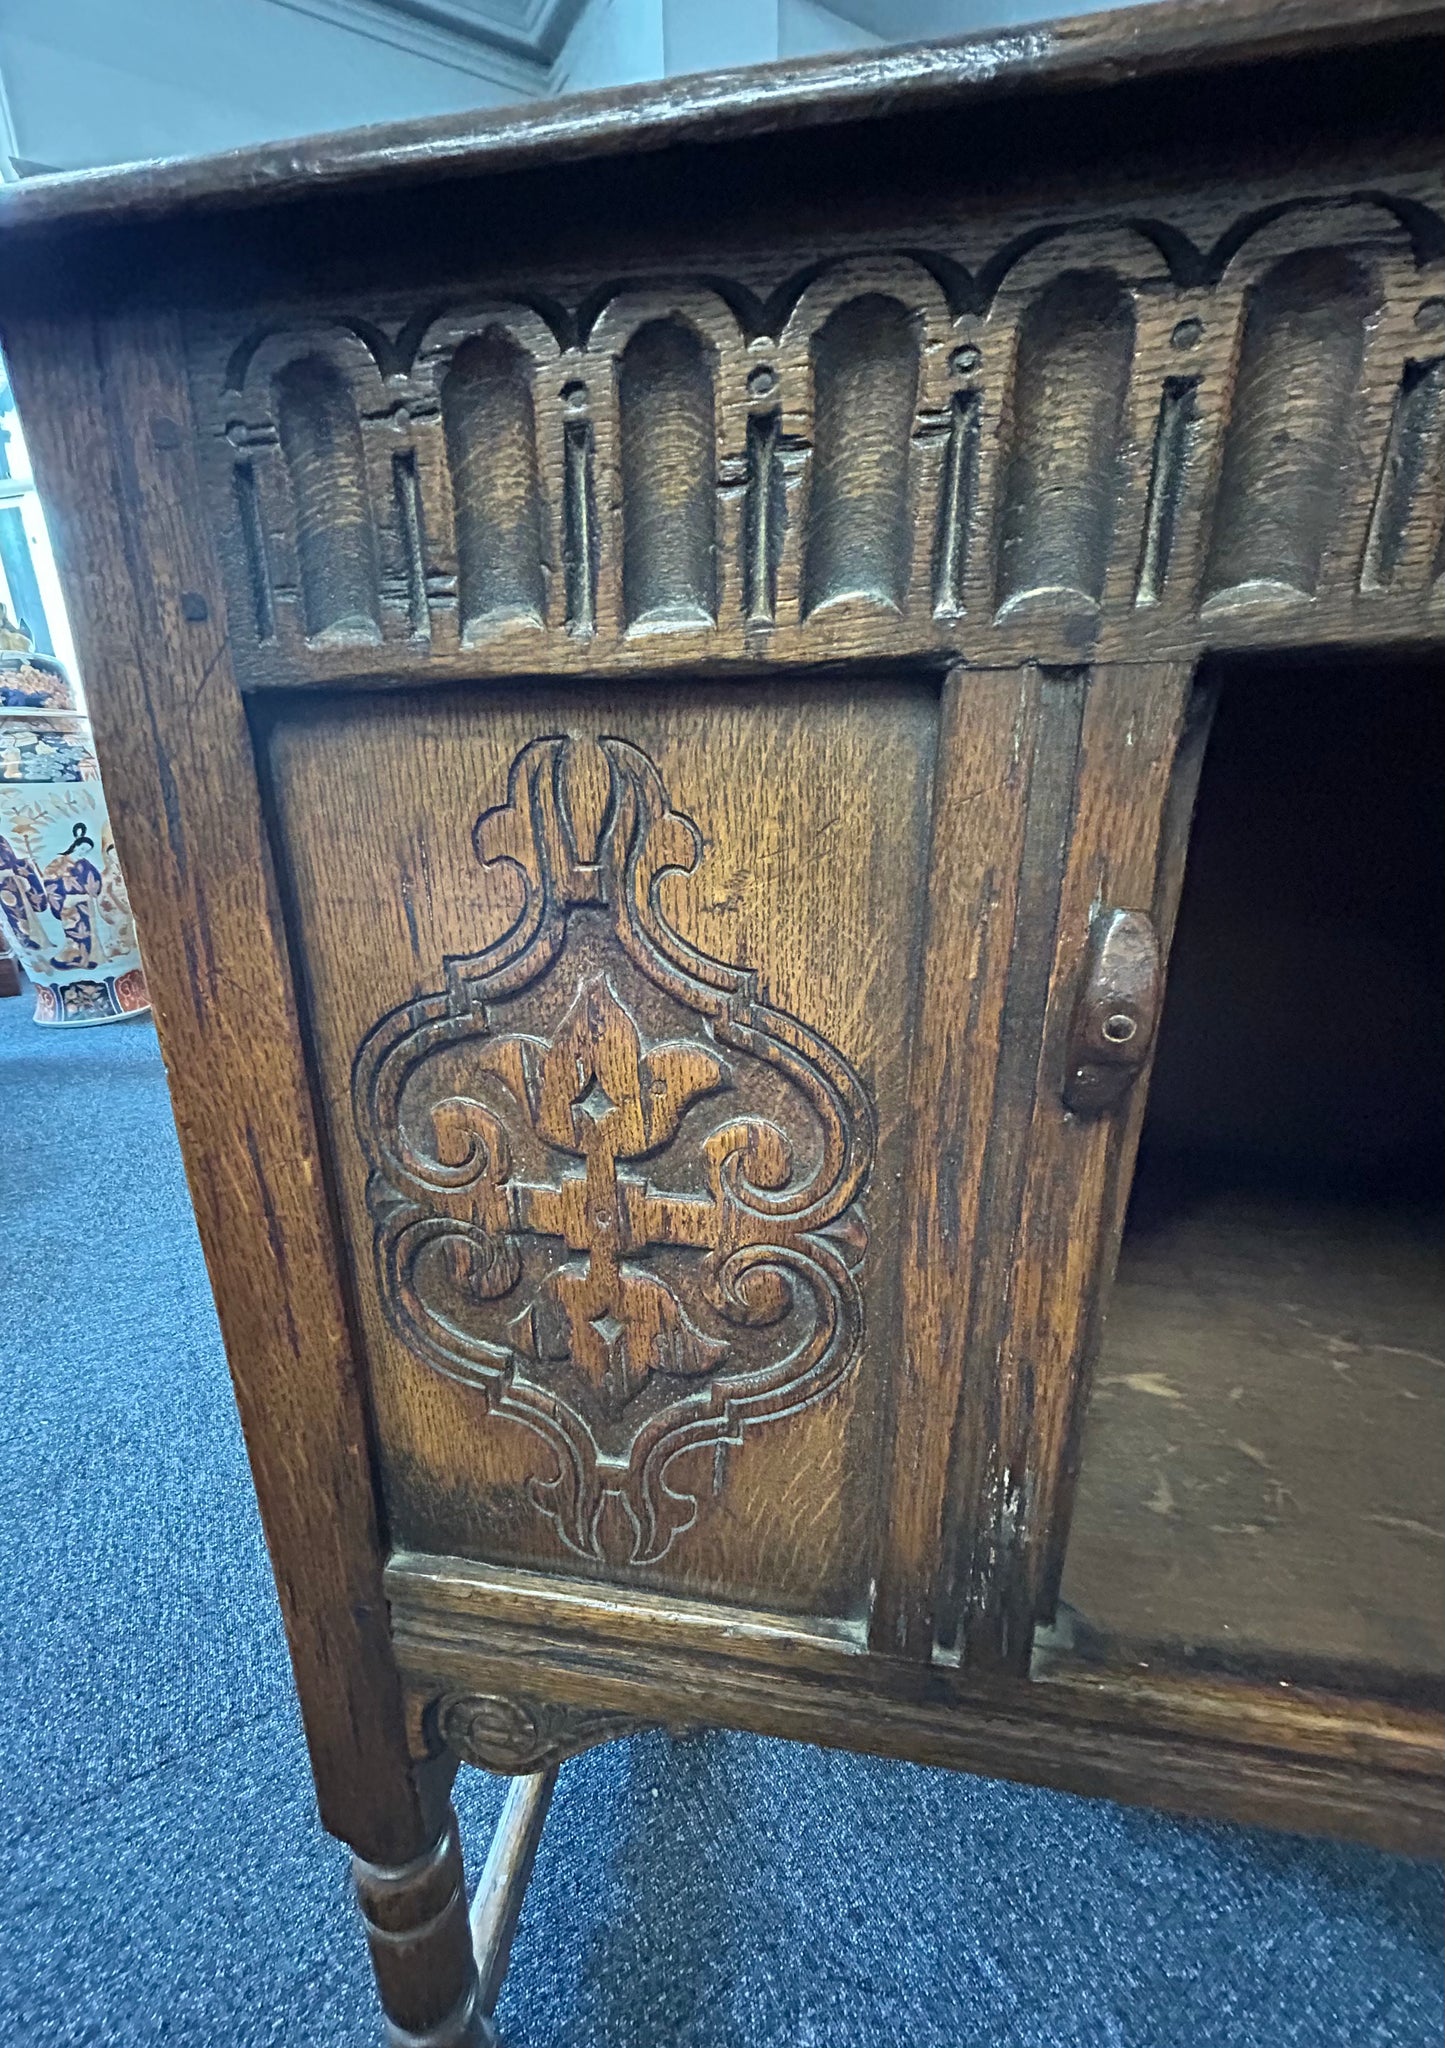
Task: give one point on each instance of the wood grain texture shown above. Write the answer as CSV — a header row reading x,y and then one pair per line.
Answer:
x,y
502,1885
1051,432
667,440
1309,1762
415,1916
112,450
490,429
1048,1199
1260,1473
627,1320
805,855
987,758
632,711
1044,58
1075,353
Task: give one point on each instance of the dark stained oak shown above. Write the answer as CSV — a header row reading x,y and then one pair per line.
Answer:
x,y
1078,51
418,1930
654,734
503,1882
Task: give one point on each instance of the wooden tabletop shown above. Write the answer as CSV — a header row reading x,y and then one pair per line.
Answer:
x,y
1080,52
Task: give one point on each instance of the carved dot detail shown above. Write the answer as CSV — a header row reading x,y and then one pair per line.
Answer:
x,y
763,381
1188,334
574,396
1119,1029
964,359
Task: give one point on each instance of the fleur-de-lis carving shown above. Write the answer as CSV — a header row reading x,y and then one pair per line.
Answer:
x,y
593,1091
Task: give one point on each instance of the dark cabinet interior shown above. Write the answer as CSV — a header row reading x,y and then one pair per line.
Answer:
x,y
1261,1486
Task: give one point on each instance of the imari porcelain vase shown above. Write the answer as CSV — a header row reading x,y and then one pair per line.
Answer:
x,y
61,892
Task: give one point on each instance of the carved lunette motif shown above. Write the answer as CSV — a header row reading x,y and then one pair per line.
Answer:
x,y
611,1188
1105,429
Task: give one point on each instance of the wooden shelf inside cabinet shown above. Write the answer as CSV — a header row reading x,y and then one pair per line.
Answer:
x,y
1262,1482
653,737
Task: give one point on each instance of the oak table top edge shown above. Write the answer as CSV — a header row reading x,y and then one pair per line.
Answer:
x,y
1074,52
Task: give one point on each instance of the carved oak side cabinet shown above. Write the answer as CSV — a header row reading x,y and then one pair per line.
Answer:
x,y
672,668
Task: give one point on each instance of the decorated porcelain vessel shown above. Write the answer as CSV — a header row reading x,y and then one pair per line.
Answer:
x,y
62,896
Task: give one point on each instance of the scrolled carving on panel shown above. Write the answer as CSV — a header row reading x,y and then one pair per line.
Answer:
x,y
612,1189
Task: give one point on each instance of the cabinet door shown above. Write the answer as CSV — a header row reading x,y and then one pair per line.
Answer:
x,y
1099,885
663,1058
693,1061
611,1001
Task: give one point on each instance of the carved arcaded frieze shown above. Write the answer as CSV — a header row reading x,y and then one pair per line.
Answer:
x,y
612,1190
1105,435
516,1736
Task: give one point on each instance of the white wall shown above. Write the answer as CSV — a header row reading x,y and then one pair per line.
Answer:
x,y
615,42
621,42
807,30
107,81
717,35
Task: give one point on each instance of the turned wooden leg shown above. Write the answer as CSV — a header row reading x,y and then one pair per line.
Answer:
x,y
421,1947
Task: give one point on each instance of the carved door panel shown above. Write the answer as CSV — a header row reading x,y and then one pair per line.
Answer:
x,y
611,1003
688,1056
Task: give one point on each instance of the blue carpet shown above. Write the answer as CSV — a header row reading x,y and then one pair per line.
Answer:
x,y
165,1879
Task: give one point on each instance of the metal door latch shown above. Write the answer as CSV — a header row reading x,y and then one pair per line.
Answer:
x,y
1116,1013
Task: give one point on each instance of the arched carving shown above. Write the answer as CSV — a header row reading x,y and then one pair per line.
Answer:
x,y
988,455
1299,368
1075,353
320,438
865,386
667,445
491,441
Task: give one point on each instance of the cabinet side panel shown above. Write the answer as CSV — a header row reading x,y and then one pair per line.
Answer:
x,y
109,424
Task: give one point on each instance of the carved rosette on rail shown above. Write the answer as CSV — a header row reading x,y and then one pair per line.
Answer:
x,y
611,1188
516,1736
